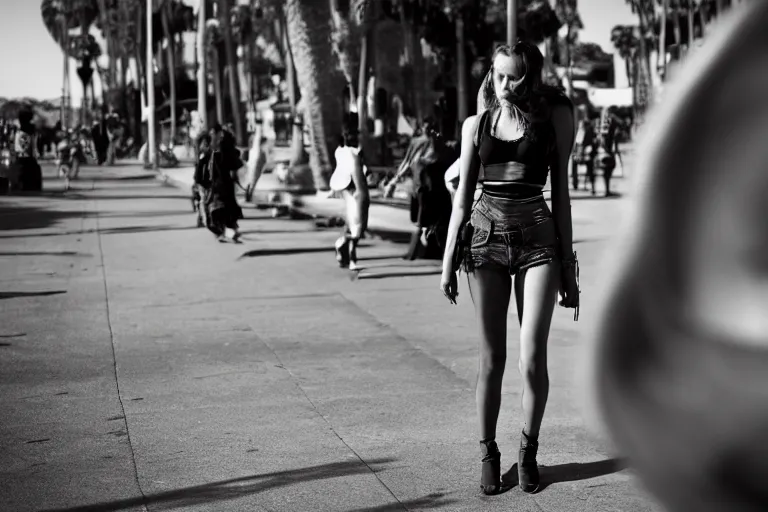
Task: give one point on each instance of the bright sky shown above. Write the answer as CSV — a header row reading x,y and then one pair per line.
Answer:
x,y
31,63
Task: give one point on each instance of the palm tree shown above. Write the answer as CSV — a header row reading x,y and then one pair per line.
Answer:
x,y
624,40
366,13
165,10
689,10
109,32
345,41
243,33
299,157
59,17
231,59
202,73
213,39
644,9
319,85
569,15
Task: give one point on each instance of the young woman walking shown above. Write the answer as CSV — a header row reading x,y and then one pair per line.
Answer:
x,y
349,179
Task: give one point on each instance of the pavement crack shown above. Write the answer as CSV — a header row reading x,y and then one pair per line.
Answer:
x,y
127,432
405,340
317,411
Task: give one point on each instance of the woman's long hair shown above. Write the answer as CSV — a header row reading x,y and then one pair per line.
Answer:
x,y
532,96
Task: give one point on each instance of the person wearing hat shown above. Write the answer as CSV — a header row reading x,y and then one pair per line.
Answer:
x,y
216,175
26,167
349,179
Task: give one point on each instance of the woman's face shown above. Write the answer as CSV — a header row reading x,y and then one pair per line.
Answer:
x,y
216,137
508,76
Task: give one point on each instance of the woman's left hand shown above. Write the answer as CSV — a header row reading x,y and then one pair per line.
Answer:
x,y
569,287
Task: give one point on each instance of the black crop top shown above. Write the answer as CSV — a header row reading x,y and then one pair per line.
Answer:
x,y
523,161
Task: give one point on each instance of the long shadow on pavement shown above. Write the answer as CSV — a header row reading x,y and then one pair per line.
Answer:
x,y
287,251
570,472
601,197
109,197
386,275
144,229
13,295
234,488
430,501
17,217
46,253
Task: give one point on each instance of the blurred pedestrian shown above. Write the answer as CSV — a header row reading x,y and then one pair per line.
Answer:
x,y
26,169
216,174
257,160
349,179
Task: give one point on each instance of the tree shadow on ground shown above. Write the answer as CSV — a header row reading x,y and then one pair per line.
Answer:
x,y
46,253
433,500
570,472
145,229
226,490
599,197
286,251
398,256
19,216
397,237
157,213
110,197
13,295
386,275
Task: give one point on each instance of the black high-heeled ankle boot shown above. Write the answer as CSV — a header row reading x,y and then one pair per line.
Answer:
x,y
527,468
490,479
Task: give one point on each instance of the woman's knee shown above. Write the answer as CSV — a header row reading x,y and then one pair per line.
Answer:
x,y
493,362
533,364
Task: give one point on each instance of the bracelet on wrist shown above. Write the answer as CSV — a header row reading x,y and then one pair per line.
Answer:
x,y
570,260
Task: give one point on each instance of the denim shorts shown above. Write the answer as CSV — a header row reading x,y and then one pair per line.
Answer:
x,y
510,235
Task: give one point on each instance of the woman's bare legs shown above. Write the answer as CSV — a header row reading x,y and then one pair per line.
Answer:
x,y
490,290
535,294
353,241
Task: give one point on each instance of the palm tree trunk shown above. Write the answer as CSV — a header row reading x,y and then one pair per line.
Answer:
x,y
319,84
569,59
234,85
342,35
662,66
298,155
66,89
362,86
691,38
202,67
217,89
461,68
418,68
110,48
412,94
678,32
171,56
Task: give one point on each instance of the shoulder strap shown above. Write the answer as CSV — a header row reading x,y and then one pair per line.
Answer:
x,y
480,127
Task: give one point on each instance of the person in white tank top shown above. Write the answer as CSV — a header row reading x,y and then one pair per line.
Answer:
x,y
349,179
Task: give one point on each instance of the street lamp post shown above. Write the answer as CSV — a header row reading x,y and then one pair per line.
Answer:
x,y
151,147
511,22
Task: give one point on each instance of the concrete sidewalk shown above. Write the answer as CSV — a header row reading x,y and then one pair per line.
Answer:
x,y
144,366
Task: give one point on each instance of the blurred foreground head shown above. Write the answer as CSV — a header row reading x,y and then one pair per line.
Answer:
x,y
680,364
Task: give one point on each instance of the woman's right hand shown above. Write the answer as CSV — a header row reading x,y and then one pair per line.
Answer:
x,y
449,284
